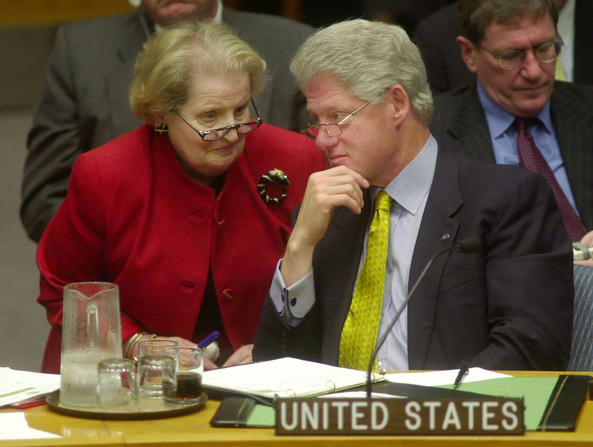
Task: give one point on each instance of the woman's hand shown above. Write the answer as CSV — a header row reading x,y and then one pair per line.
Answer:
x,y
241,356
208,364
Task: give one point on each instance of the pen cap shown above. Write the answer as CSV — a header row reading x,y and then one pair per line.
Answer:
x,y
212,351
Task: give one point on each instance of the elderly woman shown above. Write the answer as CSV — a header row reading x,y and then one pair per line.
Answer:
x,y
190,212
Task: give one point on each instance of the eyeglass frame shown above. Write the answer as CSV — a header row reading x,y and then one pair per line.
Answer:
x,y
226,129
306,131
557,42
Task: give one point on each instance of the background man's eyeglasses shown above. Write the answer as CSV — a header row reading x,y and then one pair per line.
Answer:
x,y
332,129
215,134
545,53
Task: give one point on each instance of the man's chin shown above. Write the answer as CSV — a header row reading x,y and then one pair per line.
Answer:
x,y
338,161
177,12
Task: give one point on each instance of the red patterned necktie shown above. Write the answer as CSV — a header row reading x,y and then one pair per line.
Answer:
x,y
532,159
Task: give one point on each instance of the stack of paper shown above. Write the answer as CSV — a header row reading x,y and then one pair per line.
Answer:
x,y
21,387
285,377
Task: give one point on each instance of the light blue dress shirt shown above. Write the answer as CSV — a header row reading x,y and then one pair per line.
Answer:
x,y
503,134
409,191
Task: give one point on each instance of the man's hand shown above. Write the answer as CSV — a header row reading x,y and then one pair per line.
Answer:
x,y
588,241
326,190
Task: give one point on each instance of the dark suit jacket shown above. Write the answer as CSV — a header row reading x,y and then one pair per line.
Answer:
x,y
506,307
459,122
84,103
435,36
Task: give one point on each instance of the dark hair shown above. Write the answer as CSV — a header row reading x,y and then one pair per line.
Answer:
x,y
474,16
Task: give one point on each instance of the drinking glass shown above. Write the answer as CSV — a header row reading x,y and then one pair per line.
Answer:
x,y
153,371
117,382
154,347
186,387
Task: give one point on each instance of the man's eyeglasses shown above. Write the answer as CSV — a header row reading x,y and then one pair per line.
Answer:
x,y
545,53
332,129
215,134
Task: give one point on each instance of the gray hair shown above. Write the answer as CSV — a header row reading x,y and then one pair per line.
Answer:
x,y
474,16
369,58
172,58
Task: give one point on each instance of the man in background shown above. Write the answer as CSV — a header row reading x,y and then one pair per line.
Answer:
x,y
516,113
84,102
437,34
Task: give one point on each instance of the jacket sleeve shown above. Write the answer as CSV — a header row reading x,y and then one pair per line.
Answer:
x,y
529,282
72,248
54,142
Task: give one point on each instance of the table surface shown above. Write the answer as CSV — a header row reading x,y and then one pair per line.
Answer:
x,y
195,430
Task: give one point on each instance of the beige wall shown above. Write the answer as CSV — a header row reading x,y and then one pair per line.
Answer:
x,y
27,29
27,13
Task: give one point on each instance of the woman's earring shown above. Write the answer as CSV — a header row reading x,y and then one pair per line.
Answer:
x,y
162,128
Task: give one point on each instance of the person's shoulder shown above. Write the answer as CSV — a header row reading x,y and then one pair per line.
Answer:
x,y
128,151
573,90
448,105
100,24
444,18
453,96
283,149
265,24
498,177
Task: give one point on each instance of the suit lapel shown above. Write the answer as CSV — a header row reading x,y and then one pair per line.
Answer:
x,y
438,230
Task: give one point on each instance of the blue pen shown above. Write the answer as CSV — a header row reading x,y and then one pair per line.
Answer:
x,y
209,339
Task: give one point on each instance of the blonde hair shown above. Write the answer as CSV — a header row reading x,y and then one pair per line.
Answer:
x,y
369,58
172,58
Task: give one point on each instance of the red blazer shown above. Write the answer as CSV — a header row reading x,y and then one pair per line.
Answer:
x,y
133,217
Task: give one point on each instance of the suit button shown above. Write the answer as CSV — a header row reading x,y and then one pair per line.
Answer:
x,y
227,294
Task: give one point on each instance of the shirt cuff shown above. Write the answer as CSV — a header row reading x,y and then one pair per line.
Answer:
x,y
300,297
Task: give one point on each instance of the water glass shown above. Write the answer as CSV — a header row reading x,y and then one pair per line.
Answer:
x,y
117,382
153,371
154,347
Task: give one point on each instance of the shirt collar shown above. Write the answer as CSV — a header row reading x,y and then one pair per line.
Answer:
x,y
500,120
413,183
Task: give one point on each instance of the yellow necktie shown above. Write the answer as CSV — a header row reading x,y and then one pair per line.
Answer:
x,y
359,334
560,74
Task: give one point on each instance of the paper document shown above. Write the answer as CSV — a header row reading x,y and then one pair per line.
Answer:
x,y
285,377
446,377
24,386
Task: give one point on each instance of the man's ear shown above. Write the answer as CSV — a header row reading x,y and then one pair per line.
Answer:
x,y
400,102
467,53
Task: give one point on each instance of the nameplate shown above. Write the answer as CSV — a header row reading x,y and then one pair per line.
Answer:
x,y
350,416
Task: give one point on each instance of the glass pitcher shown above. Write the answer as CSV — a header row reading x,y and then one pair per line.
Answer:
x,y
91,332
